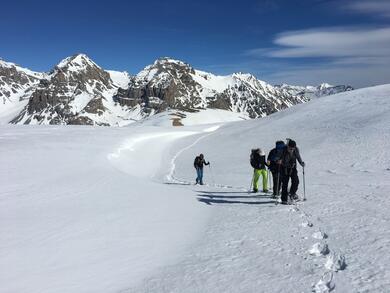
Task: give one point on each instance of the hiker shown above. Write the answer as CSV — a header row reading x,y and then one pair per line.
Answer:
x,y
288,162
198,164
258,163
273,161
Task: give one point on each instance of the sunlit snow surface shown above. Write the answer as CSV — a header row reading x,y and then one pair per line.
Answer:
x,y
86,209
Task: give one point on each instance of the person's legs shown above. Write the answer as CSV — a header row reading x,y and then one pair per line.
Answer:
x,y
265,179
197,176
275,185
201,176
256,177
285,179
279,180
294,181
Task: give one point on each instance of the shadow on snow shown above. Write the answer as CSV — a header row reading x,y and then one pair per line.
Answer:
x,y
209,198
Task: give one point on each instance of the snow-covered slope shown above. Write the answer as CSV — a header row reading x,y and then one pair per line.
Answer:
x,y
120,79
344,140
85,209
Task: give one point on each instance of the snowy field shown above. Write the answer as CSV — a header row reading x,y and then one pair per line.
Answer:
x,y
86,209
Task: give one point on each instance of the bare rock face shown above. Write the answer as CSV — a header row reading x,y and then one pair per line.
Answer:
x,y
95,106
80,120
166,84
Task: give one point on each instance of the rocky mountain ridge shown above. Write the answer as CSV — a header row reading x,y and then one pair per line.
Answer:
x,y
312,92
78,91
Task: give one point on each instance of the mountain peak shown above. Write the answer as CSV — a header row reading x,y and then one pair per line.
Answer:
x,y
162,68
76,62
168,60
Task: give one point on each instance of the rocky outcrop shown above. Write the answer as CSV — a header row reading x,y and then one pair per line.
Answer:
x,y
95,106
165,84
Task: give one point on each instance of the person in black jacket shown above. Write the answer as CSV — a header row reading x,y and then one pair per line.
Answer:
x,y
198,164
258,163
288,163
273,161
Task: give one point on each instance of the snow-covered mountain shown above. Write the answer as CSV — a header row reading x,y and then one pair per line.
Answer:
x,y
16,85
174,84
311,92
78,91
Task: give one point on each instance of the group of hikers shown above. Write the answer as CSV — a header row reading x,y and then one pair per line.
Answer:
x,y
281,162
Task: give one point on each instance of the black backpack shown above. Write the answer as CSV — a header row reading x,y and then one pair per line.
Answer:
x,y
198,162
252,158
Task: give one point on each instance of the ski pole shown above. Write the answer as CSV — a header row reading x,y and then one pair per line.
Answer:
x,y
269,180
278,182
304,185
253,176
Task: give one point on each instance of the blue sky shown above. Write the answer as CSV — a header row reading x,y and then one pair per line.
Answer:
x,y
292,41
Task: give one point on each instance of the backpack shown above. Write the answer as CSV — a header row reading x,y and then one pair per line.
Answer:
x,y
252,158
198,162
277,152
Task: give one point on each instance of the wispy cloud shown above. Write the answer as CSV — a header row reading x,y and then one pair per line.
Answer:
x,y
375,7
356,75
359,56
330,42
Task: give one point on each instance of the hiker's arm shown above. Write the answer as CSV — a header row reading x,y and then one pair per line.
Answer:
x,y
269,158
298,155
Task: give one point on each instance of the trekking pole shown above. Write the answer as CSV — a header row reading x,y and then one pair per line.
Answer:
x,y
269,180
253,176
278,183
304,185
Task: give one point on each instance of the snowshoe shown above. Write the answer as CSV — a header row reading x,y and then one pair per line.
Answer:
x,y
278,200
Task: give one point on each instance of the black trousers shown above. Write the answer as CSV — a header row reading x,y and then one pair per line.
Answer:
x,y
277,181
287,174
